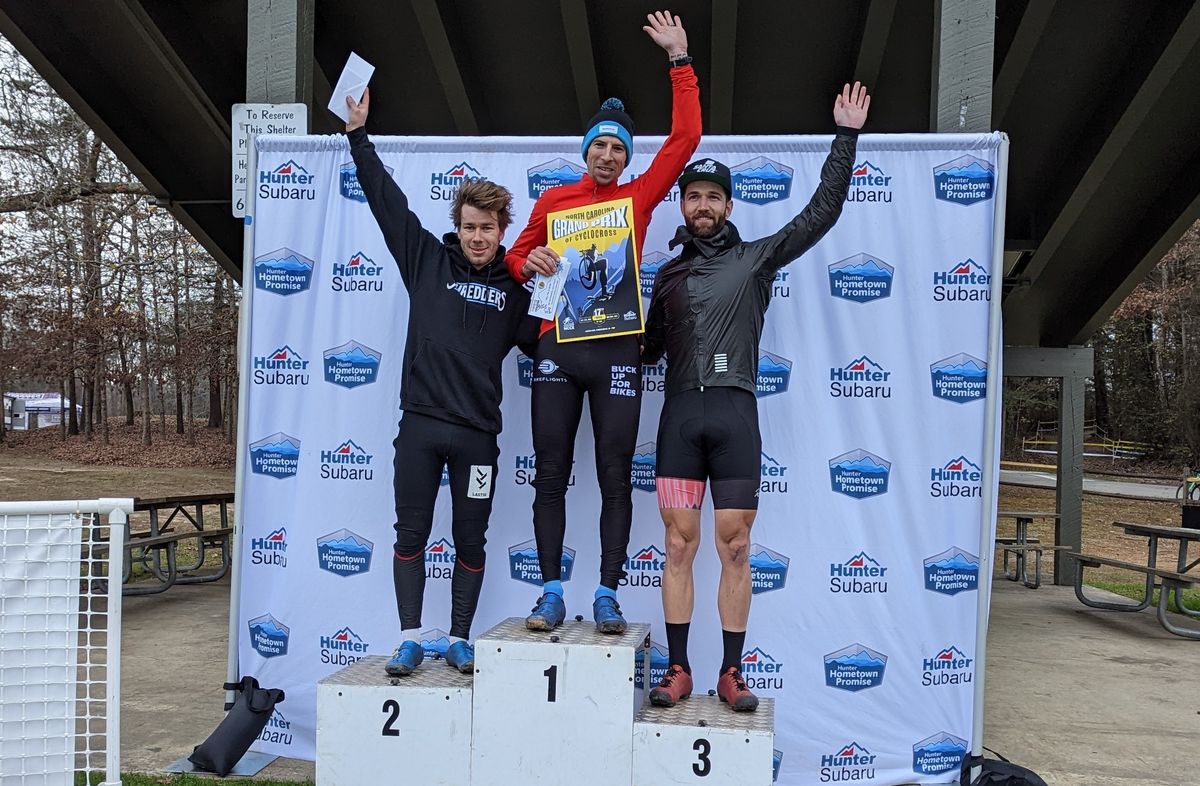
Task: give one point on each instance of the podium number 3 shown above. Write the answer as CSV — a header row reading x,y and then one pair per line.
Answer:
x,y
702,766
551,675
392,706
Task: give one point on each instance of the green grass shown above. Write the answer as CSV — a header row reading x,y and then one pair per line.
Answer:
x,y
137,779
1191,597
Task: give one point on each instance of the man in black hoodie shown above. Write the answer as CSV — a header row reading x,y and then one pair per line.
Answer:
x,y
465,313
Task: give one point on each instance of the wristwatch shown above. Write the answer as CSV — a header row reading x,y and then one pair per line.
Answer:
x,y
680,60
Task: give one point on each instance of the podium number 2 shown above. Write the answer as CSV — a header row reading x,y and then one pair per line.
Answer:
x,y
551,675
702,766
392,706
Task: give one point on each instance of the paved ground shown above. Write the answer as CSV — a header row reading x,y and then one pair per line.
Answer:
x,y
1084,697
1135,489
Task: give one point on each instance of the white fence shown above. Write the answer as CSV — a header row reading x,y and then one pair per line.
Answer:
x,y
60,634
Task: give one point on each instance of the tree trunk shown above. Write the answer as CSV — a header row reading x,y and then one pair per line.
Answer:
x,y
214,356
143,328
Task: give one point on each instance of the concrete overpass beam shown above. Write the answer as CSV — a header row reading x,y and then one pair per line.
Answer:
x,y
279,52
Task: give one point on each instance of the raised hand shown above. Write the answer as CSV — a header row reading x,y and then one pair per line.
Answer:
x,y
850,107
358,110
667,31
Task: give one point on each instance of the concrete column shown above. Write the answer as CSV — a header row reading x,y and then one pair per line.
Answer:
x,y
1069,493
964,42
279,52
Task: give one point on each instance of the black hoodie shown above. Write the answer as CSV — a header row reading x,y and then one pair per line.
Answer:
x,y
462,322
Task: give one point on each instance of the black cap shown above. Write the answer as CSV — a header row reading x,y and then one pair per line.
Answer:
x,y
709,169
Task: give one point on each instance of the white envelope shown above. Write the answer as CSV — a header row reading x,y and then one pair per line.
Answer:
x,y
352,82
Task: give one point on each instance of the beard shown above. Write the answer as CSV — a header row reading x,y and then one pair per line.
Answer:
x,y
707,229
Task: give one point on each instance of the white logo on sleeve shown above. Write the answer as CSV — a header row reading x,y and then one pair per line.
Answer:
x,y
480,484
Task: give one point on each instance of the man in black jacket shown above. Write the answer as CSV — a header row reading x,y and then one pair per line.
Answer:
x,y
465,313
707,313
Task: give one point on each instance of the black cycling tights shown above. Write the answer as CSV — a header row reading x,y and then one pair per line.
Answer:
x,y
423,446
609,370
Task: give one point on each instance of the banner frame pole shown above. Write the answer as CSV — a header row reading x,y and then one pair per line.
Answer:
x,y
239,500
991,446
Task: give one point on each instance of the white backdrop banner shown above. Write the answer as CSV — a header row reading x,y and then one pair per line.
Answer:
x,y
872,373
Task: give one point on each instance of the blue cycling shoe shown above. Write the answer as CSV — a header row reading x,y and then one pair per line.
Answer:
x,y
548,614
461,655
607,614
405,659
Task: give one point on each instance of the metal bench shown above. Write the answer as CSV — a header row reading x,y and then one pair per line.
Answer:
x,y
1168,580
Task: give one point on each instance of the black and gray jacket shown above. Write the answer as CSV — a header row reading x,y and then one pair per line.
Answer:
x,y
708,304
462,322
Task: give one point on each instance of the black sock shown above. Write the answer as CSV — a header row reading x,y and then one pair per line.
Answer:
x,y
734,642
677,635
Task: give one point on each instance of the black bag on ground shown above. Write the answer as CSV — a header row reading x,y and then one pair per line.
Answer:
x,y
224,748
997,772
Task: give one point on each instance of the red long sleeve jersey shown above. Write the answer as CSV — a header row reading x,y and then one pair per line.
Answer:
x,y
646,191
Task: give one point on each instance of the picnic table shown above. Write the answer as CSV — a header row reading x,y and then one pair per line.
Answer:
x,y
155,548
1170,583
1020,546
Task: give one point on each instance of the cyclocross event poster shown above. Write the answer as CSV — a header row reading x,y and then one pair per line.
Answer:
x,y
602,295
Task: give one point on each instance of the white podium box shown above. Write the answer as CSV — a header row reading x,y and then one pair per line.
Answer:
x,y
545,703
372,728
701,740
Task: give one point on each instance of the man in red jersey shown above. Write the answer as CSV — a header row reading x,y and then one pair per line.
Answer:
x,y
607,369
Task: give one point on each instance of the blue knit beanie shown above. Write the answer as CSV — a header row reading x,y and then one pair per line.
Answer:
x,y
611,120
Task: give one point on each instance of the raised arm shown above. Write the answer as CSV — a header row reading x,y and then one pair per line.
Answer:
x,y
408,241
654,184
825,206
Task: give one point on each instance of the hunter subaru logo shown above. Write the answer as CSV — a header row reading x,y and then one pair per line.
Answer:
x,y
960,477
344,553
859,575
523,563
943,752
761,180
964,181
854,668
524,370
348,184
644,568
271,550
951,572
347,461
343,647
959,378
276,456
641,475
774,476
283,272
651,264
439,560
760,670
862,278
774,373
278,730
659,663
284,366
435,642
768,569
269,636
948,667
860,378
352,364
443,185
869,183
559,172
359,273
852,762
525,470
966,281
859,474
288,181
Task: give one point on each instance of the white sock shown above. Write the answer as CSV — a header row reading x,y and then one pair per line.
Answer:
x,y
456,639
412,634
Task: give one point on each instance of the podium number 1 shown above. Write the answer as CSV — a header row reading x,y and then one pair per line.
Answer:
x,y
702,766
551,675
392,706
